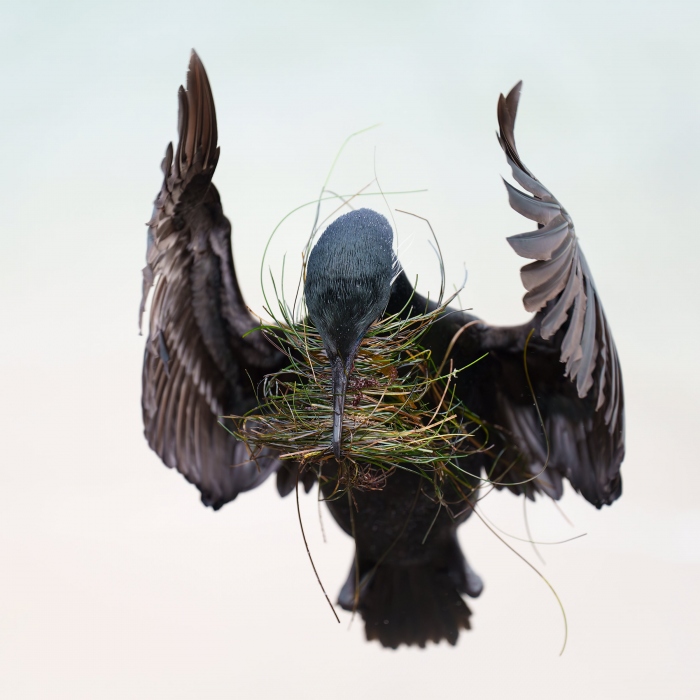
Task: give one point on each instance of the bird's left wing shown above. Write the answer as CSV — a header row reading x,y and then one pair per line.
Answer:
x,y
549,392
201,360
571,358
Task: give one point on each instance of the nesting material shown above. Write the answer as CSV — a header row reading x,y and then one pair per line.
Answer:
x,y
400,408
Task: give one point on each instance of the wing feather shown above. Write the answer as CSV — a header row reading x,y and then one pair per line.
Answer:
x,y
541,243
584,411
588,341
577,430
197,363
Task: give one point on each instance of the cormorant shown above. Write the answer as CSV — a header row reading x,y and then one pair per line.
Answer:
x,y
204,357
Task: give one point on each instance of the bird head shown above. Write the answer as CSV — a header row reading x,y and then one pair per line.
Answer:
x,y
348,283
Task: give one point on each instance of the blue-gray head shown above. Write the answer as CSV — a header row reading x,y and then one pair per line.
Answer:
x,y
348,282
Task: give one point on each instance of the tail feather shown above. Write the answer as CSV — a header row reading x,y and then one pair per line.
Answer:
x,y
412,605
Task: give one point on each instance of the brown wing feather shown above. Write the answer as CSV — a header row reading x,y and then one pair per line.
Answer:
x,y
581,434
579,444
197,364
560,285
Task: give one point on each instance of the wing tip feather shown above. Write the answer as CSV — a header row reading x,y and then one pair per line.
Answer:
x,y
579,369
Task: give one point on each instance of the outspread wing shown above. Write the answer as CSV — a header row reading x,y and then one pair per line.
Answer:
x,y
572,362
560,281
197,364
583,414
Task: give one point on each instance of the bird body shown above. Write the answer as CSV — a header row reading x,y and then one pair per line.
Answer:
x,y
205,356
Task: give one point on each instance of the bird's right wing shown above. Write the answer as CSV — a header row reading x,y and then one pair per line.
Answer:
x,y
198,365
549,391
577,429
561,280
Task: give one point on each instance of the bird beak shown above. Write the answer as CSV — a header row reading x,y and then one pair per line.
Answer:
x,y
339,385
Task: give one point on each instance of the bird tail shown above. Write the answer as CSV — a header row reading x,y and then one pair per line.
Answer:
x,y
414,603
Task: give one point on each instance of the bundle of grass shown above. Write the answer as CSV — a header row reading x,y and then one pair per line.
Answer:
x,y
400,412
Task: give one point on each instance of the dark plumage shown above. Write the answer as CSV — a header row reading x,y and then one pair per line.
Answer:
x,y
201,357
348,282
348,279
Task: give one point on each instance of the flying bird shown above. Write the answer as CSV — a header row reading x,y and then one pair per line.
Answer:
x,y
206,356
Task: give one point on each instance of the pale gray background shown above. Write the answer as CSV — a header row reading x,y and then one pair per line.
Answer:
x,y
116,582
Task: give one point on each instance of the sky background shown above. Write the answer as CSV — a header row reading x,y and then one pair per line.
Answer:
x,y
116,582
